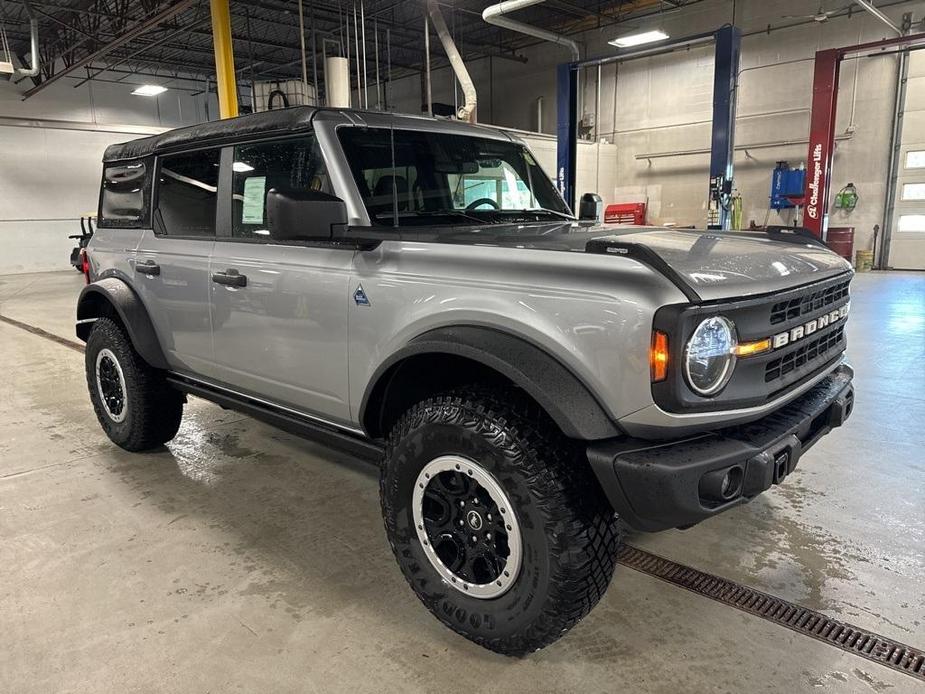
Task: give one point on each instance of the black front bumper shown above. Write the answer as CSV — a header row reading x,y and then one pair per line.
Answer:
x,y
659,485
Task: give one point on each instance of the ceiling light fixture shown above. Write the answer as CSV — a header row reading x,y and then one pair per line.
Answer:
x,y
241,167
639,39
149,90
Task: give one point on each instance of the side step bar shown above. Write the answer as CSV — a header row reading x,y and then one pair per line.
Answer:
x,y
304,426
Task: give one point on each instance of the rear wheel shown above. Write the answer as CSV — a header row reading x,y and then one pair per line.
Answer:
x,y
495,519
136,407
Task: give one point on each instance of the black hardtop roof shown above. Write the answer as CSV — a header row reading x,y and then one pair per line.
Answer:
x,y
277,122
283,121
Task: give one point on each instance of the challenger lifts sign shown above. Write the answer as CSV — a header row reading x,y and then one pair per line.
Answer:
x,y
816,164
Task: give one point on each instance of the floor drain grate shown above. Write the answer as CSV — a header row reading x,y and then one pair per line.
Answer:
x,y
849,638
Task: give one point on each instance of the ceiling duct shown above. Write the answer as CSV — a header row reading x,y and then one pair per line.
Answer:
x,y
467,110
34,44
497,15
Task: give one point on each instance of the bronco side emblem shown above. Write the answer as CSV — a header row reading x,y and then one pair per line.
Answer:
x,y
359,296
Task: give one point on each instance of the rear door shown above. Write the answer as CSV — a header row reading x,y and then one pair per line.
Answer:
x,y
171,264
278,310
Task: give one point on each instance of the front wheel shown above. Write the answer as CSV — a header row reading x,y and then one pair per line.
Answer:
x,y
133,402
495,519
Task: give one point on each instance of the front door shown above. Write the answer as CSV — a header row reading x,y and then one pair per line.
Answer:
x,y
172,261
279,311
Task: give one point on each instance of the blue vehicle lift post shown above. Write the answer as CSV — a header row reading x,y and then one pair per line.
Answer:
x,y
727,41
567,130
725,74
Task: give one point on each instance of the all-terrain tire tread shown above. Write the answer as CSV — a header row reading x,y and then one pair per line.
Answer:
x,y
157,408
582,525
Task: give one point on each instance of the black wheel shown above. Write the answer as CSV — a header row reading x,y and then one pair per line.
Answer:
x,y
495,519
136,407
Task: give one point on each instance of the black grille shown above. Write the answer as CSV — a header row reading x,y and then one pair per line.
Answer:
x,y
794,308
804,354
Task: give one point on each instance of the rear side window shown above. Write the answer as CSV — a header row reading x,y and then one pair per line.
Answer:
x,y
123,201
286,165
187,188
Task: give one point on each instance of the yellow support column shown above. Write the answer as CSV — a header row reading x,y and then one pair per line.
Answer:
x,y
224,59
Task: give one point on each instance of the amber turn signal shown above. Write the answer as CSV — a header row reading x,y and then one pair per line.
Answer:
x,y
748,349
658,356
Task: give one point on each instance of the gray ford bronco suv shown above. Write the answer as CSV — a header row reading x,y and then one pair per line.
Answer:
x,y
417,290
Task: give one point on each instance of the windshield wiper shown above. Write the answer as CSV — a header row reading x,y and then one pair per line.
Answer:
x,y
450,213
561,215
538,210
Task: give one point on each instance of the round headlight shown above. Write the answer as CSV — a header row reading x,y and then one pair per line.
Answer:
x,y
709,357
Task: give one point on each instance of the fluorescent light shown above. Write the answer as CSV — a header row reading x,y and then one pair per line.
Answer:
x,y
241,167
638,39
149,90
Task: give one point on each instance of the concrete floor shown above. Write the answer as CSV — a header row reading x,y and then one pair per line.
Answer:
x,y
241,558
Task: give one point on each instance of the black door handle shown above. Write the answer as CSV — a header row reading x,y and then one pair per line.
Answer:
x,y
148,267
230,278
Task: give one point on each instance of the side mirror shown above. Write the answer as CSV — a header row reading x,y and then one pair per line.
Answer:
x,y
306,215
591,208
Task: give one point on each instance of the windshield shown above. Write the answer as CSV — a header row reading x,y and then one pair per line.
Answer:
x,y
438,178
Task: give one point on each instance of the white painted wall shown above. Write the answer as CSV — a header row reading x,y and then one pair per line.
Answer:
x,y
664,104
51,146
49,172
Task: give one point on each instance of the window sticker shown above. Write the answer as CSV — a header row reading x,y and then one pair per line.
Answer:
x,y
254,193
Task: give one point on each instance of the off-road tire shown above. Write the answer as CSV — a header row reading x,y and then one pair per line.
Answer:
x,y
570,533
153,409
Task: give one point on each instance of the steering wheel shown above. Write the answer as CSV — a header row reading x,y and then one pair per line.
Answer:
x,y
482,201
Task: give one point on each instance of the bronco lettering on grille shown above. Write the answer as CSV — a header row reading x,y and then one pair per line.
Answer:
x,y
807,329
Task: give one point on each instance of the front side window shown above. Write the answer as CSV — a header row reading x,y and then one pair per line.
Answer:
x,y
187,188
284,165
123,202
426,177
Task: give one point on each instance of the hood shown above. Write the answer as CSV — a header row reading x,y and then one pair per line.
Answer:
x,y
712,264
724,264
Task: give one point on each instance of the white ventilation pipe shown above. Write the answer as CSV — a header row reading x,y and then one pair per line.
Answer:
x,y
34,42
496,14
467,111
337,81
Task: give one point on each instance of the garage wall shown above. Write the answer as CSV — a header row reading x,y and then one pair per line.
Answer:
x,y
50,151
663,104
51,144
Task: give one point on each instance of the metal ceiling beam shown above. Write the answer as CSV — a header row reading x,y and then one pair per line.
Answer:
x,y
134,54
104,50
124,48
869,6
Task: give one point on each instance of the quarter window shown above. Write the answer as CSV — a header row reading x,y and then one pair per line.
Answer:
x,y
187,188
284,165
123,199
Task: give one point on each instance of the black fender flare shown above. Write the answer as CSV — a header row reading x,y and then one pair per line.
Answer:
x,y
564,397
130,310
